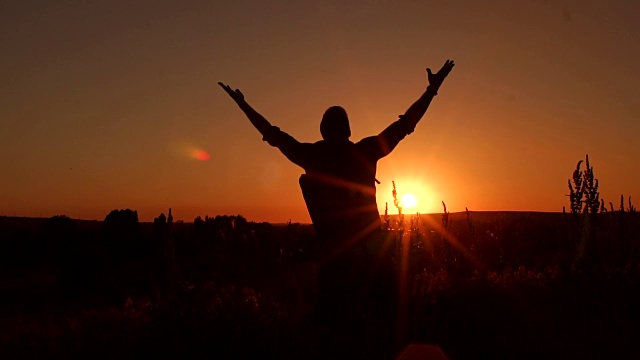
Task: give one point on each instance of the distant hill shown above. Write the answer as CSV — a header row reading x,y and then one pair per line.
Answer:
x,y
482,221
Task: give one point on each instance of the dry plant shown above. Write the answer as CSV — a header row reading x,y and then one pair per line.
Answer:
x,y
445,217
396,203
584,196
590,187
387,220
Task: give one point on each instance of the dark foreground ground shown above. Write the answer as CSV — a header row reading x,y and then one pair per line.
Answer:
x,y
492,285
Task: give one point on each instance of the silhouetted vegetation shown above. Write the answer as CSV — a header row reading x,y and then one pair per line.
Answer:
x,y
479,284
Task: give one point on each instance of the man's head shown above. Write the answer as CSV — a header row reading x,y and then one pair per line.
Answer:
x,y
335,124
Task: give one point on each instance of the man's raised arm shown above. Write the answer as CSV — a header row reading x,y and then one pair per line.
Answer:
x,y
387,140
290,147
256,119
416,111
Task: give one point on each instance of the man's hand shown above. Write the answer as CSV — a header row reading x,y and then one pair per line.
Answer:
x,y
236,95
435,80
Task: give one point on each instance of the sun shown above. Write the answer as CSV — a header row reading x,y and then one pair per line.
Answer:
x,y
409,201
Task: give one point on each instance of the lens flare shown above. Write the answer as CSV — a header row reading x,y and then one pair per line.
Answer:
x,y
200,155
185,149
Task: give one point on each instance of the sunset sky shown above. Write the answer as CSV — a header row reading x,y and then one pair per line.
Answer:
x,y
114,104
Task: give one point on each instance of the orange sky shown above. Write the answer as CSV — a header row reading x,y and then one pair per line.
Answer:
x,y
110,104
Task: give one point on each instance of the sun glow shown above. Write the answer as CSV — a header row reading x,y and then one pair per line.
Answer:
x,y
414,196
409,201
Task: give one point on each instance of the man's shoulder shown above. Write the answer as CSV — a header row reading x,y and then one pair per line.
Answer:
x,y
368,141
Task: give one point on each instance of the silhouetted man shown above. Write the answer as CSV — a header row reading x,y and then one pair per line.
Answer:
x,y
339,189
339,185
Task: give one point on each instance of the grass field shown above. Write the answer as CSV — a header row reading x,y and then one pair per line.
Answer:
x,y
491,284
